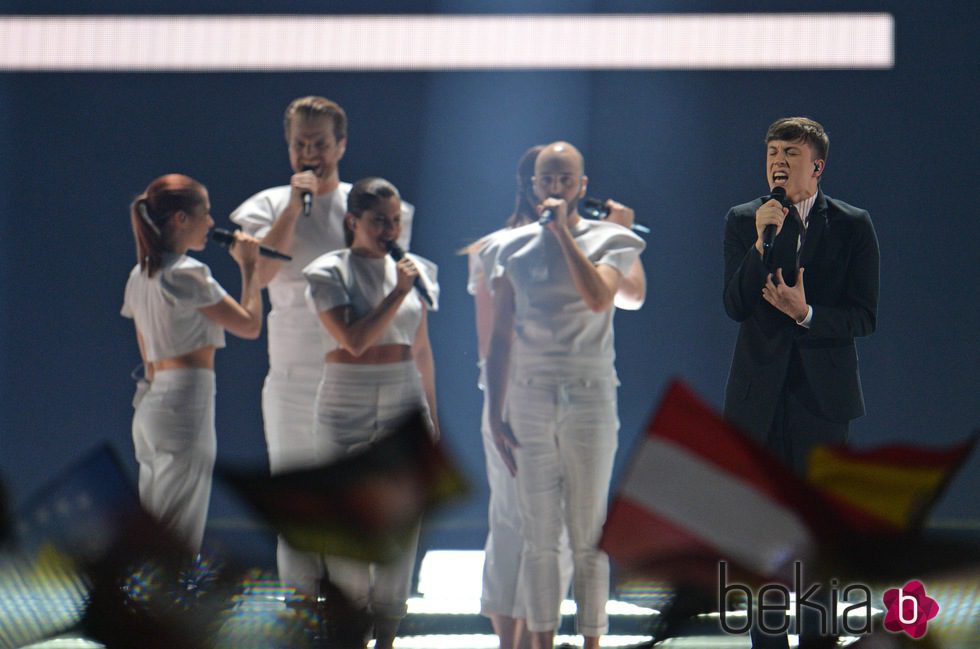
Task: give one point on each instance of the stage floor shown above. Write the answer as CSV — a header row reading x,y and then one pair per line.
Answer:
x,y
41,604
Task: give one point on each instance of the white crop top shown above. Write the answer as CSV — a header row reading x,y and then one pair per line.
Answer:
x,y
344,278
166,305
294,331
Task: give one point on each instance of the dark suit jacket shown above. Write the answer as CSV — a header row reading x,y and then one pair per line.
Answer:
x,y
840,258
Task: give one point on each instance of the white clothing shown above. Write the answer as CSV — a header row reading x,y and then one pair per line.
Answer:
x,y
288,399
476,263
552,322
295,348
173,425
287,396
356,406
294,332
561,406
567,430
503,583
342,277
166,307
502,589
175,441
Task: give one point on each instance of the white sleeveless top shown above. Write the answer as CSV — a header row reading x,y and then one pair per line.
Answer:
x,y
165,307
344,278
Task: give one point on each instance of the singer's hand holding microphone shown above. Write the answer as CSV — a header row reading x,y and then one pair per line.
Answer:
x,y
243,248
407,272
619,214
593,208
306,183
769,220
553,211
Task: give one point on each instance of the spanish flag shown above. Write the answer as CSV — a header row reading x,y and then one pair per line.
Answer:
x,y
886,490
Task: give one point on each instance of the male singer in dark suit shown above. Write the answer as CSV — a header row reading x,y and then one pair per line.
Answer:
x,y
794,379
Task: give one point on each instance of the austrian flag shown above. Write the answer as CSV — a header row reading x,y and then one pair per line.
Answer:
x,y
699,491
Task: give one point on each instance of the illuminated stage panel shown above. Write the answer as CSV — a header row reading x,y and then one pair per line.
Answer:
x,y
447,42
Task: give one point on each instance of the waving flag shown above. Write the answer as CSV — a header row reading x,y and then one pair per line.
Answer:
x,y
365,506
698,491
888,489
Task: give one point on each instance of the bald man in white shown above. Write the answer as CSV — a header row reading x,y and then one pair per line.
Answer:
x,y
551,359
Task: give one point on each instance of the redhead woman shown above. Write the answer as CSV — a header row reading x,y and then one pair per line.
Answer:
x,y
181,314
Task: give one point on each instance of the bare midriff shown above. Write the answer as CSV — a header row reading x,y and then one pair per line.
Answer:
x,y
389,353
200,358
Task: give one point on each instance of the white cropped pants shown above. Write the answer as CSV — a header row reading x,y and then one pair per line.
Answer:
x,y
355,406
503,584
567,430
175,442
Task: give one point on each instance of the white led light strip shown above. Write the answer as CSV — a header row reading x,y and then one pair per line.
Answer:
x,y
447,42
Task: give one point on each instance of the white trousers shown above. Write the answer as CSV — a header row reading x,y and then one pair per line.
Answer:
x,y
356,405
567,430
503,583
288,405
175,443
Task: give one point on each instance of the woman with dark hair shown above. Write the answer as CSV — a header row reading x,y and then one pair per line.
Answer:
x,y
378,369
304,219
181,314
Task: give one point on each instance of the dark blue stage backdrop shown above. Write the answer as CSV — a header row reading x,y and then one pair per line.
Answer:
x,y
678,146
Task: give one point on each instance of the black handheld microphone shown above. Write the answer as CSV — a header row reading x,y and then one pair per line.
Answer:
x,y
769,233
596,209
307,196
226,239
397,254
547,216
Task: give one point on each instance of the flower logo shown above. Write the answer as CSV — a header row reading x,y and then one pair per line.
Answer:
x,y
909,609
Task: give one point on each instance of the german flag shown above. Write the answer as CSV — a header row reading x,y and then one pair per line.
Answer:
x,y
365,506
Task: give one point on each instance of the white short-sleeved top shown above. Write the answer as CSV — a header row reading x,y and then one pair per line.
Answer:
x,y
293,329
554,329
165,307
475,262
343,278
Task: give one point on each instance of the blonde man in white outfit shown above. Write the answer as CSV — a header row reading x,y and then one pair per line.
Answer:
x,y
316,136
551,361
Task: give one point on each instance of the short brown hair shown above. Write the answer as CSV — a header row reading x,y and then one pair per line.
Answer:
x,y
796,129
313,107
